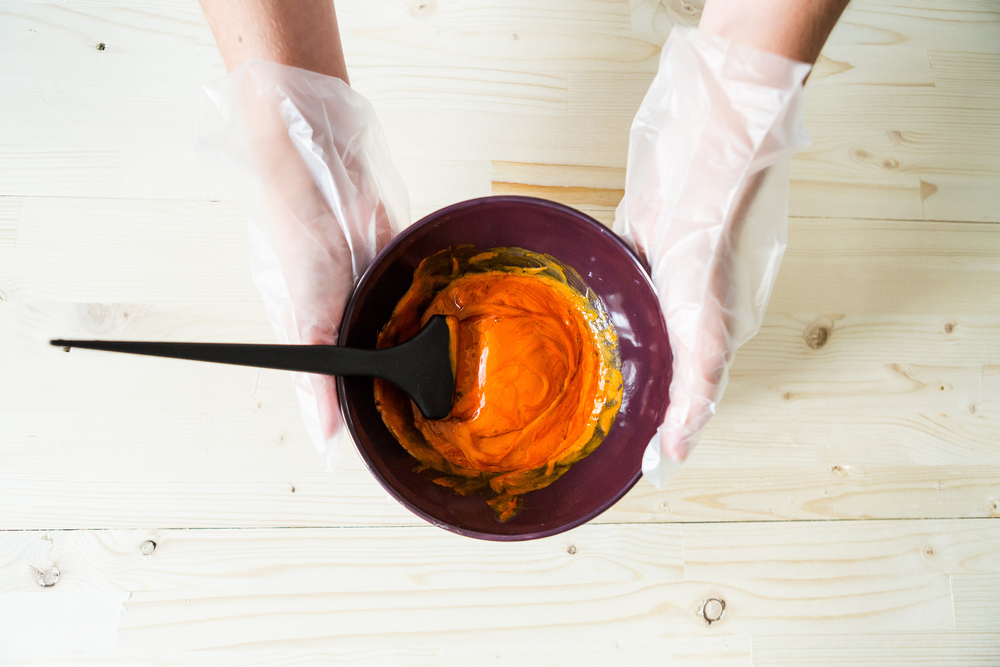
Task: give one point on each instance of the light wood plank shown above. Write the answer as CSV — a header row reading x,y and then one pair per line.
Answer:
x,y
965,71
991,389
434,185
659,16
68,471
973,595
893,155
900,197
24,171
10,213
895,650
235,486
493,45
849,99
101,662
847,64
83,249
975,198
227,592
87,624
838,491
575,14
814,342
606,182
969,27
831,266
732,651
462,88
969,548
126,29
193,564
71,249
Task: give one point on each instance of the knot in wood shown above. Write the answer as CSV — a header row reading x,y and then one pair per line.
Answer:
x,y
817,335
422,8
713,610
147,547
890,163
689,11
96,313
571,549
949,327
49,577
995,506
96,317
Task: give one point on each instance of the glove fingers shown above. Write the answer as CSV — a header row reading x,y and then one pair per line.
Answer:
x,y
699,379
326,404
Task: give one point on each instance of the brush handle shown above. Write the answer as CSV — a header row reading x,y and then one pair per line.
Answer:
x,y
422,366
321,359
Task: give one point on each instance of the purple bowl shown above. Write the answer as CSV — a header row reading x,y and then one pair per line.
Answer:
x,y
610,269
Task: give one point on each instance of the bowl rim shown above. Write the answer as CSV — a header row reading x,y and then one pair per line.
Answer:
x,y
352,304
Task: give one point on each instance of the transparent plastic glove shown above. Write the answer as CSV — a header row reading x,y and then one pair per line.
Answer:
x,y
706,204
305,155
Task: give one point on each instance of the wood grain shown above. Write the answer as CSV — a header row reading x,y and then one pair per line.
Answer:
x,y
883,148
71,249
871,392
639,588
74,249
896,650
87,625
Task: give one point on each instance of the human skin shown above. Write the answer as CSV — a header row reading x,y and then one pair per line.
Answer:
x,y
796,29
300,33
304,33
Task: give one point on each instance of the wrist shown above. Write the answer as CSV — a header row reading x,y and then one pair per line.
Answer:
x,y
795,29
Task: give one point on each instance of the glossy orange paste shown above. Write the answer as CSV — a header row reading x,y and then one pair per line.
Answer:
x,y
537,374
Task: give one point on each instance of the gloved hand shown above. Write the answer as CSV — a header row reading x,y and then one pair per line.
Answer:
x,y
305,155
706,204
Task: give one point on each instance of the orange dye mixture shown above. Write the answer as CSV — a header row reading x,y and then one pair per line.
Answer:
x,y
538,384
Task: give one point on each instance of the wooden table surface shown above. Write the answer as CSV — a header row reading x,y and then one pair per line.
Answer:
x,y
842,505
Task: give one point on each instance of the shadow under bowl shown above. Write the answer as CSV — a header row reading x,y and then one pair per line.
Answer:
x,y
610,269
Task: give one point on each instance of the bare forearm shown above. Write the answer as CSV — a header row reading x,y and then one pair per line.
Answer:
x,y
796,29
301,33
